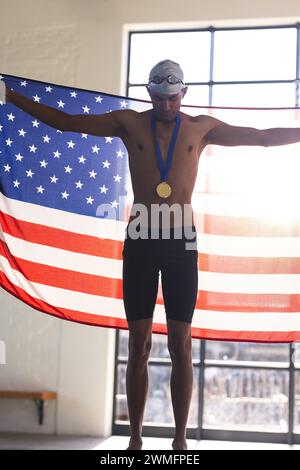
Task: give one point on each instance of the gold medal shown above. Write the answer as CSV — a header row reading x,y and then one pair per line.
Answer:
x,y
163,189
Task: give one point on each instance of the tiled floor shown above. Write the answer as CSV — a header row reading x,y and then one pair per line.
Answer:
x,y
151,443
44,442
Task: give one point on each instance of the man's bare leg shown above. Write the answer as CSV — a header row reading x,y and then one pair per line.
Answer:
x,y
180,348
139,346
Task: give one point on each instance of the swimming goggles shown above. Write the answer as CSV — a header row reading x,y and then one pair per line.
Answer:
x,y
172,79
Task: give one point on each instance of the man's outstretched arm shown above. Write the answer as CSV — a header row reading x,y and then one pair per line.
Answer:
x,y
109,124
220,133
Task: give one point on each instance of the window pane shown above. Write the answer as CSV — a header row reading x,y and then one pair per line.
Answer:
x,y
255,96
253,352
262,54
149,48
196,95
120,397
246,399
297,404
158,408
159,349
296,355
139,92
123,344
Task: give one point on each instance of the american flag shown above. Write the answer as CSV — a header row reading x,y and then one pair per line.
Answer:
x,y
65,201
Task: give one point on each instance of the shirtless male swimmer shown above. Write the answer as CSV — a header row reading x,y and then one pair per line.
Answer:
x,y
161,181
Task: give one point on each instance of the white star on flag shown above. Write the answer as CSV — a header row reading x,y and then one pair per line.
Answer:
x,y
81,159
79,184
71,144
56,154
106,164
33,148
65,195
115,204
120,153
89,200
95,149
103,189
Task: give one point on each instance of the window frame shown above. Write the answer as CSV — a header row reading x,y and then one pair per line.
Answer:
x,y
200,432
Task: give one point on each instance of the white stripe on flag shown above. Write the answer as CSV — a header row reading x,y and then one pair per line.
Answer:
x,y
55,218
249,283
262,247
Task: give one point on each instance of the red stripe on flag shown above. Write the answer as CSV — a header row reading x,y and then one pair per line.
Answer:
x,y
58,238
237,302
252,336
249,265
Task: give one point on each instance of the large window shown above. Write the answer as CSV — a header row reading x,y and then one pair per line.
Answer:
x,y
248,391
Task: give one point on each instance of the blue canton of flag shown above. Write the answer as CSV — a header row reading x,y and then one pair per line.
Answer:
x,y
64,170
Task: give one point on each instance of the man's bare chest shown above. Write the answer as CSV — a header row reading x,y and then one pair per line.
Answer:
x,y
142,149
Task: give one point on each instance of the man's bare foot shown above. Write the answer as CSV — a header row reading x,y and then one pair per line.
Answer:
x,y
135,444
179,445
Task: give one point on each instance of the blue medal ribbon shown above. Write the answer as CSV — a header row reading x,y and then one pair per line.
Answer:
x,y
164,169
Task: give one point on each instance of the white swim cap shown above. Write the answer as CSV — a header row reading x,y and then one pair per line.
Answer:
x,y
166,77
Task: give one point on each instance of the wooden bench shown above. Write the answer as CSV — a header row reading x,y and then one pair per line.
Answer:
x,y
38,397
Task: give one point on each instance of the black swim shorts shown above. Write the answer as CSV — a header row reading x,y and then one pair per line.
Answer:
x,y
176,259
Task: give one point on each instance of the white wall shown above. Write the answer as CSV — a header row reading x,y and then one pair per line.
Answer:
x,y
83,43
